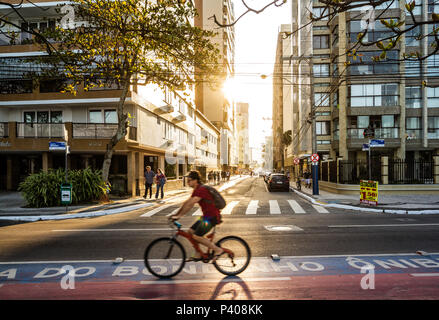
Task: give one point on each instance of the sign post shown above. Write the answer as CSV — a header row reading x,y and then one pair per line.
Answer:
x,y
315,173
66,188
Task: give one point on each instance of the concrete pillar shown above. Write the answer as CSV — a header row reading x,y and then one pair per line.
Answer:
x,y
45,161
131,173
140,173
343,90
162,163
9,173
385,170
338,170
436,169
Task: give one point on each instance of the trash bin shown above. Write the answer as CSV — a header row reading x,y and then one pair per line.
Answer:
x,y
66,193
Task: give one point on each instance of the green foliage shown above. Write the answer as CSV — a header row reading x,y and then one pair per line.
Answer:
x,y
170,170
43,189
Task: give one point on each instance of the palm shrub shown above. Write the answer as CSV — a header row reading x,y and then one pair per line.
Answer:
x,y
43,189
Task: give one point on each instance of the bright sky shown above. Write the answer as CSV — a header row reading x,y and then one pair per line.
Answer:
x,y
255,40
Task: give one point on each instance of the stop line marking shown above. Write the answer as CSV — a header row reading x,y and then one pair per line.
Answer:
x,y
424,274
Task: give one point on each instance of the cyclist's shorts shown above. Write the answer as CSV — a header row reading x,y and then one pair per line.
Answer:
x,y
204,225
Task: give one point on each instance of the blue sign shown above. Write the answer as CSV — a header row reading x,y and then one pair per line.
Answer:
x,y
376,143
57,146
365,147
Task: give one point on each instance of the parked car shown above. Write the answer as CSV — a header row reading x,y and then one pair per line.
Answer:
x,y
278,181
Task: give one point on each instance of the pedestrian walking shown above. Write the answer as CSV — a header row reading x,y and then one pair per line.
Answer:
x,y
149,180
160,183
228,175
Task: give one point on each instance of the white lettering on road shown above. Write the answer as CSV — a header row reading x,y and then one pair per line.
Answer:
x,y
427,263
46,273
122,271
311,266
389,263
9,274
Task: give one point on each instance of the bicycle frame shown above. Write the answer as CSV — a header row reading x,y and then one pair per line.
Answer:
x,y
205,256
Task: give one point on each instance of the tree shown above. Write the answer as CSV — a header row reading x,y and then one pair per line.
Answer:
x,y
131,42
286,140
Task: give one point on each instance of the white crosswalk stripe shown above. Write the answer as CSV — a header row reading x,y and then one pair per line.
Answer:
x,y
274,207
173,212
320,209
156,210
296,207
252,207
229,208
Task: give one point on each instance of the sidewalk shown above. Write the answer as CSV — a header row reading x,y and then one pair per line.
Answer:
x,y
403,203
12,203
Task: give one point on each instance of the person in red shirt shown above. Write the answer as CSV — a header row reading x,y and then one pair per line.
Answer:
x,y
211,215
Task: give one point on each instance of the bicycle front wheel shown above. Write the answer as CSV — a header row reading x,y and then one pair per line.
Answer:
x,y
165,257
233,264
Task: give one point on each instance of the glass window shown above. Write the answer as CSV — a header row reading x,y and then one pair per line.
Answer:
x,y
364,64
433,97
323,128
413,123
321,99
387,121
56,116
374,95
43,116
433,6
433,65
413,97
95,116
29,116
363,121
417,11
319,13
321,42
110,116
433,127
321,70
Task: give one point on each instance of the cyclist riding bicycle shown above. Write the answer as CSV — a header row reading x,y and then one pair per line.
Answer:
x,y
211,215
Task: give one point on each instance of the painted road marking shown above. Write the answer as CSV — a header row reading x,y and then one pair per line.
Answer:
x,y
384,225
252,207
296,207
228,209
425,274
198,212
274,207
215,280
173,212
320,209
156,210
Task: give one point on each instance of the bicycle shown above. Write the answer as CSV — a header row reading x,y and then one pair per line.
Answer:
x,y
298,184
165,257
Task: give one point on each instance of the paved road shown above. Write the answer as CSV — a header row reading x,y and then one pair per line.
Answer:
x,y
318,238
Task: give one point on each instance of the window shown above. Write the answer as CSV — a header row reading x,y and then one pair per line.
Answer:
x,y
417,11
321,70
323,128
323,114
433,6
110,116
374,95
413,97
335,100
191,138
321,42
433,127
413,127
321,99
433,65
323,141
95,116
364,64
411,37
168,130
320,28
379,32
387,121
321,84
433,97
412,68
319,13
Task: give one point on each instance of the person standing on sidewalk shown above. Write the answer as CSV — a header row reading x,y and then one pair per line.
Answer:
x,y
160,183
149,180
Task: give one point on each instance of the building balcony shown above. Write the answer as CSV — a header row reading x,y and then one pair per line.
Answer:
x,y
380,133
93,130
40,130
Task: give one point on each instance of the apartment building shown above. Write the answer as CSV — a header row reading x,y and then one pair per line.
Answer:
x,y
209,97
165,131
283,87
387,95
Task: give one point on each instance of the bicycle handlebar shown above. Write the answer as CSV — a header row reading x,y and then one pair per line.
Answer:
x,y
176,223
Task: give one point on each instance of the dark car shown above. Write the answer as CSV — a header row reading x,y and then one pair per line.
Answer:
x,y
278,181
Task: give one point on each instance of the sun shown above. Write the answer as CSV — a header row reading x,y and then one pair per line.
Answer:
x,y
230,89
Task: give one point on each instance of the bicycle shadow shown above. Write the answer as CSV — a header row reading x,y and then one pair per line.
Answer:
x,y
227,281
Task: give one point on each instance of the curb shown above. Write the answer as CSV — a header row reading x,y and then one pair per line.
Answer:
x,y
343,206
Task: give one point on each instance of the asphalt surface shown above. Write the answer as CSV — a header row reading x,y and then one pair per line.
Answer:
x,y
316,232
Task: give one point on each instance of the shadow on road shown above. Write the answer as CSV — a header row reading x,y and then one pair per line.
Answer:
x,y
221,291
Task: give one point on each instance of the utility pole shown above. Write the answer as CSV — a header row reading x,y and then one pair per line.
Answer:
x,y
315,168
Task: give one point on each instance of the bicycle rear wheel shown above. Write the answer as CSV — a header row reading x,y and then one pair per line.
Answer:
x,y
232,265
165,257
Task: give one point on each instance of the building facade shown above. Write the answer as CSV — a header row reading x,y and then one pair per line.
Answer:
x,y
242,122
165,131
210,98
352,94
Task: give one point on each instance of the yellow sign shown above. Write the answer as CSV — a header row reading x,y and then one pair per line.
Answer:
x,y
369,192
